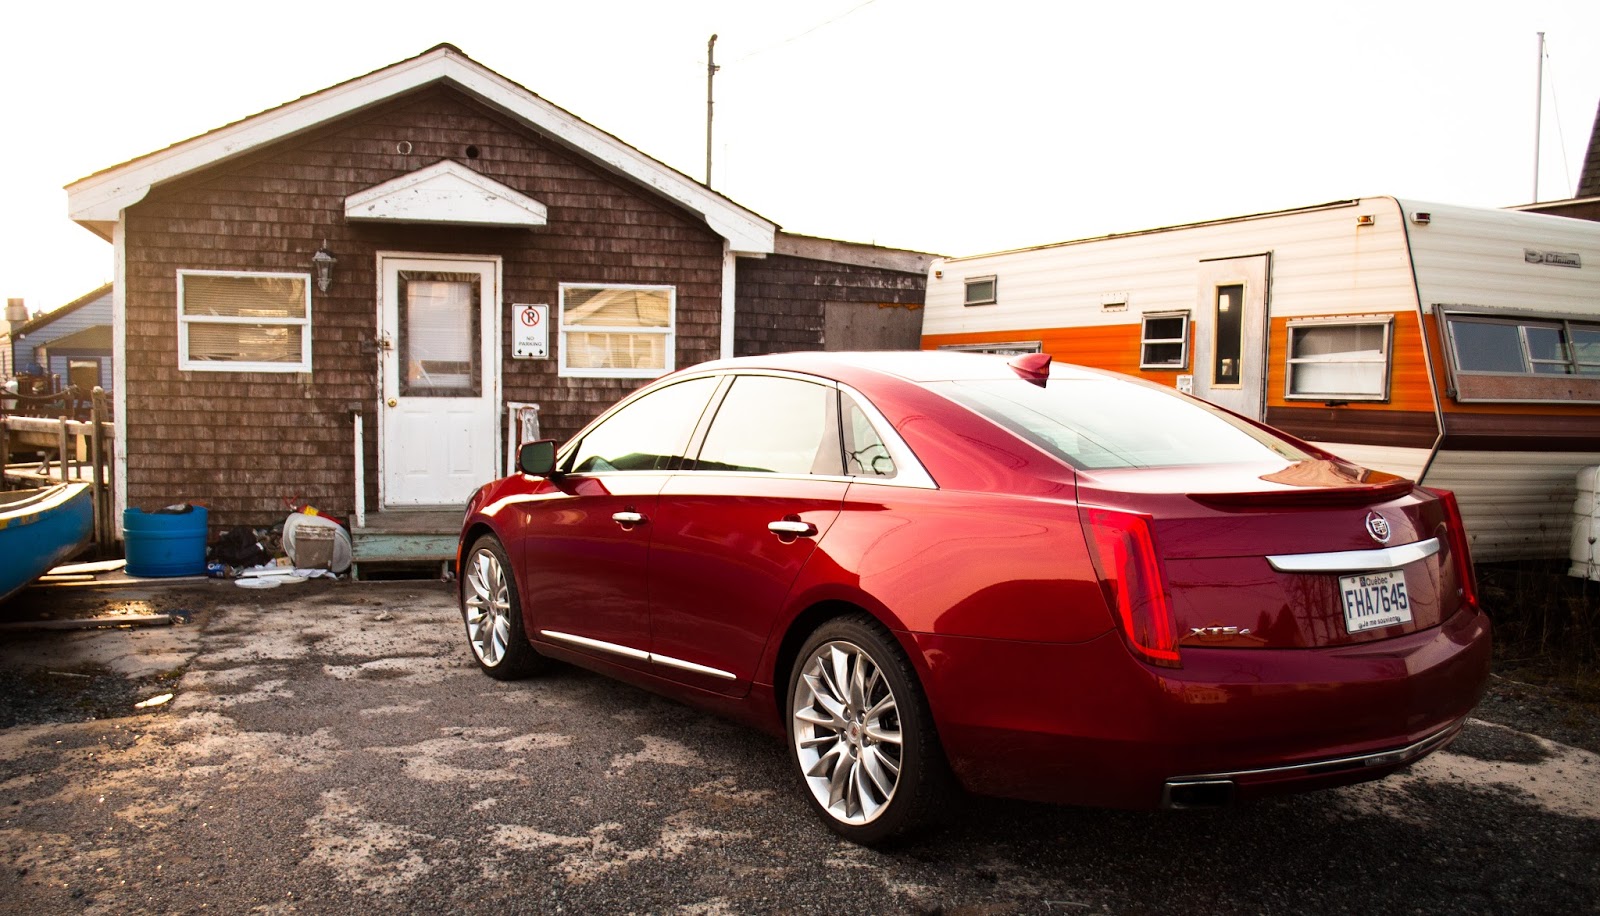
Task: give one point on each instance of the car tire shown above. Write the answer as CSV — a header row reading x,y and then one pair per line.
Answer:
x,y
492,613
860,734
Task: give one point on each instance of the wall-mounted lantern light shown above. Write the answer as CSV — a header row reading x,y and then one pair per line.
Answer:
x,y
322,266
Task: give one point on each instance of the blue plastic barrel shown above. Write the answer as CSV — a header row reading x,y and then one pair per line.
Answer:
x,y
165,543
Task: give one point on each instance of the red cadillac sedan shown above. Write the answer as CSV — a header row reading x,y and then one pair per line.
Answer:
x,y
930,570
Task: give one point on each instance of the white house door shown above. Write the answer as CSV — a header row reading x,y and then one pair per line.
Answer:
x,y
440,344
1230,352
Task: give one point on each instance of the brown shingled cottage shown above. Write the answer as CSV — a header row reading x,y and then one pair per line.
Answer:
x,y
363,298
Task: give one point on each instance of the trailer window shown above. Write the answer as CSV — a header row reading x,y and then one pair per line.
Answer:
x,y
1508,357
981,291
1524,347
1164,341
1339,359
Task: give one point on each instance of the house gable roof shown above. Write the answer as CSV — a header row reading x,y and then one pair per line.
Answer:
x,y
445,193
97,201
56,314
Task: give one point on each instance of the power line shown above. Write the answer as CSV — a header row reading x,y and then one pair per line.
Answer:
x,y
795,38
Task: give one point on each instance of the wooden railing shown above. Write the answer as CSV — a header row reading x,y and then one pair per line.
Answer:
x,y
73,445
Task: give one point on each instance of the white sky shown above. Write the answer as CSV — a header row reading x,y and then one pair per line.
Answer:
x,y
955,128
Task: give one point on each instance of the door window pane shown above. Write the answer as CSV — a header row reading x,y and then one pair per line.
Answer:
x,y
649,434
774,425
1230,334
439,334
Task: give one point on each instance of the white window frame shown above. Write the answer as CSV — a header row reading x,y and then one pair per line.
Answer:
x,y
212,365
1146,340
670,332
1386,360
994,290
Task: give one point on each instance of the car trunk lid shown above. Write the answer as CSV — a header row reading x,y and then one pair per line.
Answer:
x,y
1316,553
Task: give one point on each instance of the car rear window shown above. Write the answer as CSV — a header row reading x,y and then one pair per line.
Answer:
x,y
1107,423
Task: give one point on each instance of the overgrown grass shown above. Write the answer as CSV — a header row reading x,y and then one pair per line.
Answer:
x,y
1544,620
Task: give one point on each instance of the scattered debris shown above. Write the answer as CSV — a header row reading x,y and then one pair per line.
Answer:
x,y
158,700
383,616
81,569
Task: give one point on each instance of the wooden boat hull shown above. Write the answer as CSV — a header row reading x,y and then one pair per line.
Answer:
x,y
41,529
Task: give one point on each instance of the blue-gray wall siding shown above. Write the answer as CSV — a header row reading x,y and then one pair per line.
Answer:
x,y
95,314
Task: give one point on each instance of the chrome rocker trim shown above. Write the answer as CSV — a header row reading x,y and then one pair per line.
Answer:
x,y
1394,757
636,654
1355,560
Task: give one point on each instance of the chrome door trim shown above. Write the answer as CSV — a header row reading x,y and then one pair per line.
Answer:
x,y
1355,560
682,665
637,655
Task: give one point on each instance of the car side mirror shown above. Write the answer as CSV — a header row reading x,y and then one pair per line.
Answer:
x,y
537,458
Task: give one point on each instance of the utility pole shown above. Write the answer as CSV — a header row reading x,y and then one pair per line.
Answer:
x,y
711,71
1538,114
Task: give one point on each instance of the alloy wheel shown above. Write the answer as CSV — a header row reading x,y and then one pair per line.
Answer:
x,y
847,732
488,607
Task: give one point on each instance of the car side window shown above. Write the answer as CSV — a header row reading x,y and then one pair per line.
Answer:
x,y
865,455
775,425
651,434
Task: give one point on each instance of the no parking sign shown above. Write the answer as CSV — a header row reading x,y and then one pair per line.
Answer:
x,y
530,331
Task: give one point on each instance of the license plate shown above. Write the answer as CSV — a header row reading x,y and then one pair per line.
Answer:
x,y
1373,600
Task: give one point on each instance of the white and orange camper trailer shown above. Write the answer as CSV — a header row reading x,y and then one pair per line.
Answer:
x,y
1457,346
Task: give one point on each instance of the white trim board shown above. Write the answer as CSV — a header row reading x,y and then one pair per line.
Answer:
x,y
98,200
445,193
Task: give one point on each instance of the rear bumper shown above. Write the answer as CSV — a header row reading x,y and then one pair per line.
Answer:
x,y
1210,789
1088,724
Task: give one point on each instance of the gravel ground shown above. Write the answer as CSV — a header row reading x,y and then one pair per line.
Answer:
x,y
332,749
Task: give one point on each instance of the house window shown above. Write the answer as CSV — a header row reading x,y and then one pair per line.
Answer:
x,y
1484,345
980,291
1164,341
244,322
1339,359
617,331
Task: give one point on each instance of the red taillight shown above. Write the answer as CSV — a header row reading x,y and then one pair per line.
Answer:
x,y
1458,547
1124,550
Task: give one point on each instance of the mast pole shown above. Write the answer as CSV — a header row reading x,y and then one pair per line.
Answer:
x,y
1538,114
711,71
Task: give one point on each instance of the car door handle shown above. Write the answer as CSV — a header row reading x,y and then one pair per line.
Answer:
x,y
628,518
792,528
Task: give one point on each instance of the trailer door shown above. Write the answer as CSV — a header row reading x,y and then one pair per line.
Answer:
x,y
1231,333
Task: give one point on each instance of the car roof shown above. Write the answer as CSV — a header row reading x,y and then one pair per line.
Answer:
x,y
918,366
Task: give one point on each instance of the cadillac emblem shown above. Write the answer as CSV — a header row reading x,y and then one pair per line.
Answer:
x,y
1378,527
